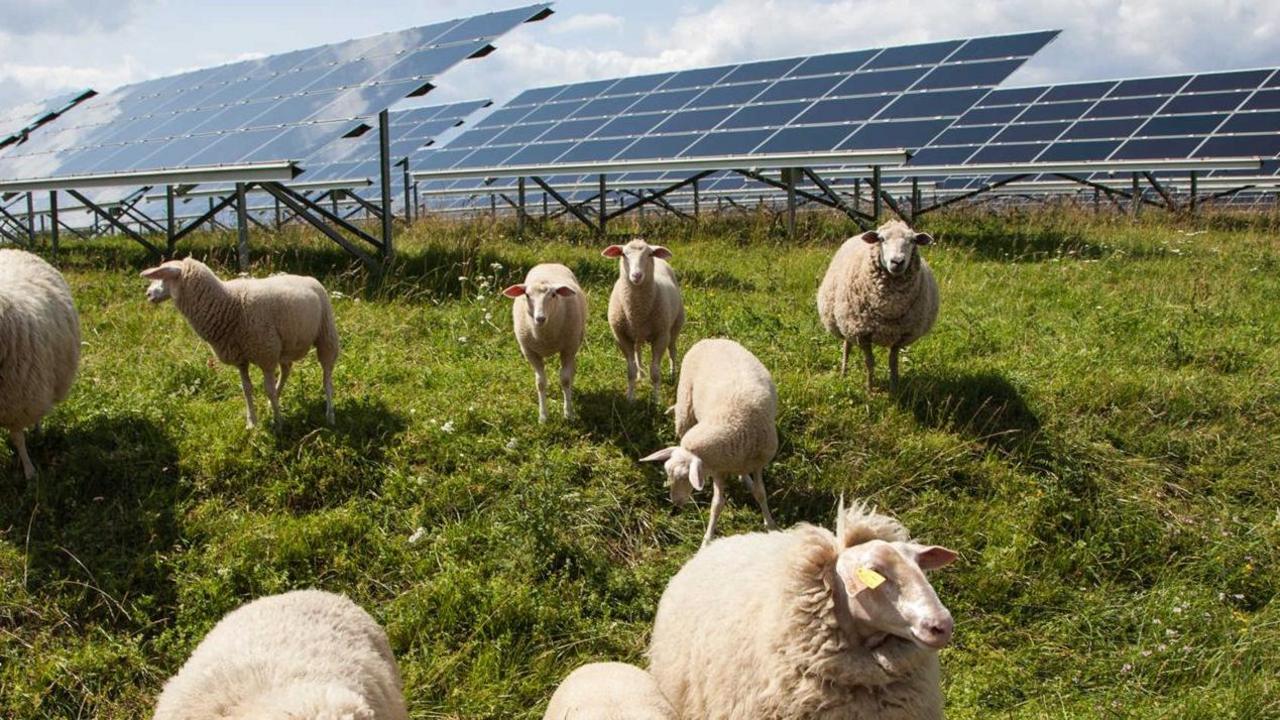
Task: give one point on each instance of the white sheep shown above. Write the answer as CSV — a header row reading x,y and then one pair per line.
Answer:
x,y
726,418
39,344
609,691
551,320
645,307
878,289
268,322
303,654
805,624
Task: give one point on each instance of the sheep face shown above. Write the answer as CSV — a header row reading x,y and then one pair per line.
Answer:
x,y
541,298
316,701
896,245
890,595
163,280
636,259
684,472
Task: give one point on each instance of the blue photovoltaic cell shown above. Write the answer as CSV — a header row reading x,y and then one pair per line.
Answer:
x,y
282,107
886,98
1222,114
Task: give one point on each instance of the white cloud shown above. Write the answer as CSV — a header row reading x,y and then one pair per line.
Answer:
x,y
67,17
22,82
586,22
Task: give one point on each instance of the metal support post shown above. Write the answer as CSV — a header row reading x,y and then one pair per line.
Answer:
x,y
408,193
279,216
242,229
170,222
384,167
1097,200
520,207
915,198
1135,200
53,222
1192,202
604,208
695,199
877,201
544,207
789,177
493,206
31,220
857,195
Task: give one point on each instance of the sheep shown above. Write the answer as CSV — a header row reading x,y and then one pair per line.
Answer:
x,y
726,418
39,345
268,322
878,289
608,691
805,624
551,320
645,307
302,654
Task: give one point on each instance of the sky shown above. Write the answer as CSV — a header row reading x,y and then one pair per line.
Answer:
x,y
51,46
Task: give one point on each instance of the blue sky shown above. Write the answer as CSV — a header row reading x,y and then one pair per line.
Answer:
x,y
48,46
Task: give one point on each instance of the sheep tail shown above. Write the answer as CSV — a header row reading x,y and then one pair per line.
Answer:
x,y
327,344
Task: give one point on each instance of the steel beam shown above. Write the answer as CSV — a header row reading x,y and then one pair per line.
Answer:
x,y
242,230
384,177
114,222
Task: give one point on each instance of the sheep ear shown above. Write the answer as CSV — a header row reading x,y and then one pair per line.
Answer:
x,y
612,251
514,291
932,557
695,472
923,238
660,456
661,252
870,237
164,272
565,291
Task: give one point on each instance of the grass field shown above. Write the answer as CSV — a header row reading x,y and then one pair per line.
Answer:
x,y
1094,424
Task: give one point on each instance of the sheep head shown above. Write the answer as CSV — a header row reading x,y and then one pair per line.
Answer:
x,y
895,243
164,279
320,701
889,594
684,472
541,298
636,259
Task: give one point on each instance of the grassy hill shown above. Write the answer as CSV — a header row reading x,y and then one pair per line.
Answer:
x,y
1094,424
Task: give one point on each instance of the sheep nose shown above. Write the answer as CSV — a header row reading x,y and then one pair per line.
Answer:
x,y
540,319
940,630
637,277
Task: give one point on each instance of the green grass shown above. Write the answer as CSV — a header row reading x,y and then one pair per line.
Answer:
x,y
1093,424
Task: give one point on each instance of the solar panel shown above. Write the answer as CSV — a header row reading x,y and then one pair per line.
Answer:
x,y
1207,115
17,123
280,107
899,97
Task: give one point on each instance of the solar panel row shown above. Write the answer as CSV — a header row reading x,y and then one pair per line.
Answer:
x,y
18,122
899,97
276,108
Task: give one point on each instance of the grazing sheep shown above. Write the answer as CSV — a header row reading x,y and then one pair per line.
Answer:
x,y
268,322
726,418
609,691
39,344
645,307
303,654
551,320
805,624
879,290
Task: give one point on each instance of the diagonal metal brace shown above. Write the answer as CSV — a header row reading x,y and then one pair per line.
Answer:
x,y
114,222
655,197
300,210
568,206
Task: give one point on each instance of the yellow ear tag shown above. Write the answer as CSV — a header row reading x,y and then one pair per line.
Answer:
x,y
870,578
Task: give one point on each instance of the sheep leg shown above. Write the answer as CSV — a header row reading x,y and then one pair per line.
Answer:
x,y
671,351
20,444
273,393
757,490
285,368
633,366
870,360
251,417
893,368
328,391
568,366
717,504
655,367
540,381
844,358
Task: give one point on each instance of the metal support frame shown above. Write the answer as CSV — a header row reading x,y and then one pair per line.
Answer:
x,y
114,222
53,222
789,177
384,176
604,208
1191,200
408,193
520,214
170,222
1169,202
318,217
915,198
660,202
972,193
832,199
31,219
877,203
696,204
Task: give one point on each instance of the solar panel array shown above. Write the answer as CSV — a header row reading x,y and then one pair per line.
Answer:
x,y
1219,114
17,123
899,97
280,107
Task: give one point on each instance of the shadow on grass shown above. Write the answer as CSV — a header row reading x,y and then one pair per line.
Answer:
x,y
1025,246
636,427
100,518
984,406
